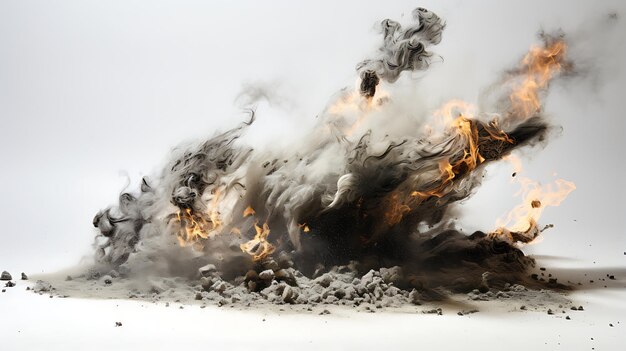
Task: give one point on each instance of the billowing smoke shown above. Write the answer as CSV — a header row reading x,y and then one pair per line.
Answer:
x,y
347,192
403,49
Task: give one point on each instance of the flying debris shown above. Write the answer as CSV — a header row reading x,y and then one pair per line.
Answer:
x,y
349,194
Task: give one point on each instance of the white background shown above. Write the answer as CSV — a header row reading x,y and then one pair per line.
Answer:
x,y
93,90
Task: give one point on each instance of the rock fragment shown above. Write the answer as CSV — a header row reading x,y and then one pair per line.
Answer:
x,y
285,275
415,297
437,311
219,286
24,276
42,286
6,276
289,294
208,270
267,275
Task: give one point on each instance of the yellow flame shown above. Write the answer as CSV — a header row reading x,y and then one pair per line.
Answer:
x,y
259,247
455,116
541,65
194,226
537,197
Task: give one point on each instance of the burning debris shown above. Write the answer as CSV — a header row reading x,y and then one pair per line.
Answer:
x,y
335,219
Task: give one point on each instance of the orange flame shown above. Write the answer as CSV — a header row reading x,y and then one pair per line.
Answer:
x,y
196,226
396,209
193,227
541,65
249,211
455,116
355,106
522,220
259,247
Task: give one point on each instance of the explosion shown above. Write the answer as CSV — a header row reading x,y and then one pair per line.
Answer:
x,y
349,194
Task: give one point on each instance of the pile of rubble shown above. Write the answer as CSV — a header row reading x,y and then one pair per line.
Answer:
x,y
279,283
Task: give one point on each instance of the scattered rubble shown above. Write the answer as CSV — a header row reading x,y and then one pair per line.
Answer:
x,y
463,313
437,311
277,283
42,286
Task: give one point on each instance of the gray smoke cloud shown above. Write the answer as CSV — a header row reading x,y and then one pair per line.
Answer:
x,y
403,49
347,191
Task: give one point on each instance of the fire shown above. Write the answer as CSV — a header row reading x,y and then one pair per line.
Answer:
x,y
523,219
395,209
355,109
194,226
541,65
358,181
456,120
447,174
259,247
446,115
249,211
456,117
346,103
